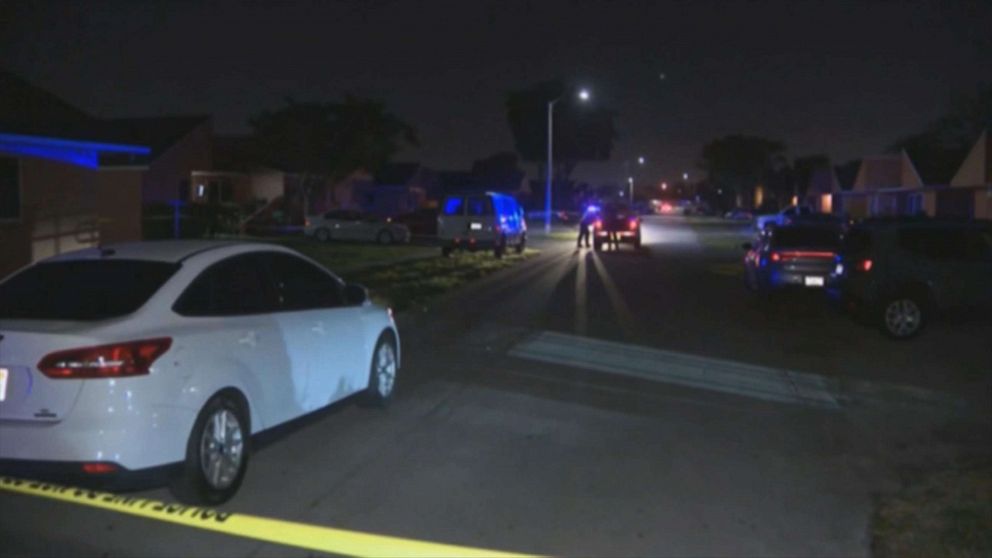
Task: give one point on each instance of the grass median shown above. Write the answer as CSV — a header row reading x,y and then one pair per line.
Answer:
x,y
403,276
411,284
948,513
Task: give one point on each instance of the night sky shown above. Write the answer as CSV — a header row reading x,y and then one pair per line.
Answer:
x,y
841,78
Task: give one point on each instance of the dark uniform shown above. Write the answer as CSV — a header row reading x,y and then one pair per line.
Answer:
x,y
587,221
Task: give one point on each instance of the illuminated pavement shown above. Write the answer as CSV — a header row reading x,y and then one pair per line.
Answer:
x,y
603,404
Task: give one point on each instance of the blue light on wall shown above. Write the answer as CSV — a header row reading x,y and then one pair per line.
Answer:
x,y
82,153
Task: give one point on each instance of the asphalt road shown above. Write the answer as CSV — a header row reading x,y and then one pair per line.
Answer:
x,y
622,404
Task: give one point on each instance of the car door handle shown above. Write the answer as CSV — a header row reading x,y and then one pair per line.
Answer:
x,y
250,338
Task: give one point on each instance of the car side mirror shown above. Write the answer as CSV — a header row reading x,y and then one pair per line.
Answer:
x,y
355,294
747,246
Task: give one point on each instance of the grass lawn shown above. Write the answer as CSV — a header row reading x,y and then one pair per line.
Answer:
x,y
345,257
947,514
410,284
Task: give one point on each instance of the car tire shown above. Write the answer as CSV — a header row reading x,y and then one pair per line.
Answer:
x,y
209,476
382,372
446,251
903,315
597,245
522,245
384,237
637,241
322,235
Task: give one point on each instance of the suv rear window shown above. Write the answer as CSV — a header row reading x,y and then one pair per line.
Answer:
x,y
950,243
86,290
480,206
857,241
805,237
453,206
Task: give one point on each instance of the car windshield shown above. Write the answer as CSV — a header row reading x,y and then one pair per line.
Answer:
x,y
82,290
805,237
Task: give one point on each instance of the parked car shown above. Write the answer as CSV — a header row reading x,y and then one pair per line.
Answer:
x,y
357,226
738,214
488,221
900,273
616,218
791,256
783,217
128,363
422,222
825,219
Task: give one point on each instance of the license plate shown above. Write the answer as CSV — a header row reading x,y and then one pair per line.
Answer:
x,y
3,383
475,226
814,281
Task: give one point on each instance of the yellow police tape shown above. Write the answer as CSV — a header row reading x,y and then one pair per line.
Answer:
x,y
310,537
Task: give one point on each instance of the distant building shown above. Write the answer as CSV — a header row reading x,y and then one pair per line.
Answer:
x,y
69,180
970,191
884,185
401,188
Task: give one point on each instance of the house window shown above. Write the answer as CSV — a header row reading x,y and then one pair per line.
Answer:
x,y
10,189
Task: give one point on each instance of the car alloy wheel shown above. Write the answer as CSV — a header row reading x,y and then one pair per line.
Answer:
x,y
382,372
385,237
385,369
221,449
903,317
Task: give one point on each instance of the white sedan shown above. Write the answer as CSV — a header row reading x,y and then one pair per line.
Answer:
x,y
127,363
353,225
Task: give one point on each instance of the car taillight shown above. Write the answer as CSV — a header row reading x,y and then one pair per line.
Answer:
x,y
306,223
99,468
866,265
132,358
775,257
598,225
633,224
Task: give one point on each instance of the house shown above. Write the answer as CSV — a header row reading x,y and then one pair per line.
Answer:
x,y
401,188
823,186
884,185
69,180
970,191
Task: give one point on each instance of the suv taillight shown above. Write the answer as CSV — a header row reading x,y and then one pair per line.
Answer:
x,y
131,358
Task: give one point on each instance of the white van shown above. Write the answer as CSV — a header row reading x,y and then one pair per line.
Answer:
x,y
481,221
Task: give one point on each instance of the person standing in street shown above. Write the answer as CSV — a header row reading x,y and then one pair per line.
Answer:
x,y
587,221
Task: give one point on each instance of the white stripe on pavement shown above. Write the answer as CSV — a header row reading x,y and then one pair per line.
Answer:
x,y
712,374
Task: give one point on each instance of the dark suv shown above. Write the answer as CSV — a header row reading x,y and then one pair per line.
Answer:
x,y
899,272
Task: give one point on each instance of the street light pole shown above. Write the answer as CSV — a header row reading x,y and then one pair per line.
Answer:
x,y
547,185
583,96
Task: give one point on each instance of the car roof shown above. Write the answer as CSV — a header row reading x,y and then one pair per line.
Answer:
x,y
921,222
171,251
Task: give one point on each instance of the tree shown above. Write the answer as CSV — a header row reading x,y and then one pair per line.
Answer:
x,y
739,163
582,132
803,169
327,141
941,147
498,172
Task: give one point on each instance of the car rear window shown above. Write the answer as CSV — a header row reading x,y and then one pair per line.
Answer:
x,y
453,206
805,237
857,241
480,206
82,290
950,243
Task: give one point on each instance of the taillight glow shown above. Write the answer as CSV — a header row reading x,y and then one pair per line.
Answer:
x,y
598,225
775,257
866,265
131,358
99,468
633,224
807,254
